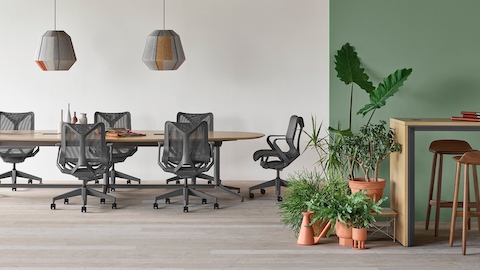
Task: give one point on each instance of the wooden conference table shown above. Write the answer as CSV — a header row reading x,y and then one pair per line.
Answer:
x,y
152,138
402,168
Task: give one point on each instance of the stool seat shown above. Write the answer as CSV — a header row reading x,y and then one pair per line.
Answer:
x,y
439,148
471,158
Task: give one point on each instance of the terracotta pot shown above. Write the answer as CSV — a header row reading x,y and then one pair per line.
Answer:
x,y
359,237
372,188
344,234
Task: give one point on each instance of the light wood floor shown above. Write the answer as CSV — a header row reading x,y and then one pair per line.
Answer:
x,y
239,235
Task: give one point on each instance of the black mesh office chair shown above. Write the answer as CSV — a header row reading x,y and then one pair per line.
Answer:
x,y
17,121
84,154
278,159
194,118
119,154
186,152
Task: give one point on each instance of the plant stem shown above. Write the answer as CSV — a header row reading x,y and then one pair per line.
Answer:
x,y
371,115
351,107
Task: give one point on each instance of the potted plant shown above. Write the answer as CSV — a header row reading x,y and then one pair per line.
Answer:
x,y
362,216
365,149
332,204
303,186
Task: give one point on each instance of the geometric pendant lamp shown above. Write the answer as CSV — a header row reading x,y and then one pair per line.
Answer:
x,y
55,49
163,49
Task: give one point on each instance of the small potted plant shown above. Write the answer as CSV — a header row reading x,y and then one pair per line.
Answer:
x,y
362,216
332,204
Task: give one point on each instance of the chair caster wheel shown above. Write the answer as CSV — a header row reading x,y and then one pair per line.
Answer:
x,y
84,209
177,182
114,205
185,209
52,206
112,189
155,206
209,182
262,191
30,181
279,198
14,189
128,182
167,201
65,201
204,201
215,206
250,195
96,182
102,201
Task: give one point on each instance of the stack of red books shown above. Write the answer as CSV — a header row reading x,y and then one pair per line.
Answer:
x,y
467,116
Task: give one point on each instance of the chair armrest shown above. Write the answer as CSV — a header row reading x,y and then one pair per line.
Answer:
x,y
269,139
35,151
278,149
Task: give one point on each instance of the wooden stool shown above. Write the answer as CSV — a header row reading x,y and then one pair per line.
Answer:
x,y
469,158
440,148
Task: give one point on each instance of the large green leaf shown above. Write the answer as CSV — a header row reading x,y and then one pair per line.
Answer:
x,y
388,88
347,65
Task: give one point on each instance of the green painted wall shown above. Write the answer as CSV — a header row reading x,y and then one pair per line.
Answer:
x,y
440,40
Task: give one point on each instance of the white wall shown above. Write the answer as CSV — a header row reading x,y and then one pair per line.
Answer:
x,y
253,63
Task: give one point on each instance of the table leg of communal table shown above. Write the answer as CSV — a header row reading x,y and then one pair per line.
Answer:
x,y
216,173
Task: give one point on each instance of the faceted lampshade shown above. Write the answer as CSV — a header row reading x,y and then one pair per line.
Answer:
x,y
55,51
163,50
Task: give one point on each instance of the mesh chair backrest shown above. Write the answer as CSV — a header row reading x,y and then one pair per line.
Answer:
x,y
294,131
196,118
186,144
17,121
84,145
114,120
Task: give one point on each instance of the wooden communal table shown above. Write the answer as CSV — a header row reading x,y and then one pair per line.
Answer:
x,y
402,168
151,138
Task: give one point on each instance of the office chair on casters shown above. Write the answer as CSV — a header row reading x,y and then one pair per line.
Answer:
x,y
84,154
186,152
119,154
17,121
195,118
278,159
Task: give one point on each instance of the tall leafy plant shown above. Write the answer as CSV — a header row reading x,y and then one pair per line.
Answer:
x,y
349,71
